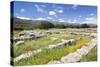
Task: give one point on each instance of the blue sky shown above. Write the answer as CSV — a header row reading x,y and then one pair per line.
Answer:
x,y
56,12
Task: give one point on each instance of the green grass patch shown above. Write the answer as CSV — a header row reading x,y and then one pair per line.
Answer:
x,y
31,45
52,54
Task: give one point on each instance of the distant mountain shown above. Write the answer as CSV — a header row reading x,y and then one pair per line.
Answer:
x,y
20,24
23,24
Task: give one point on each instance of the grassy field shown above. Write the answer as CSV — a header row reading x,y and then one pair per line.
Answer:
x,y
47,55
52,54
31,45
91,56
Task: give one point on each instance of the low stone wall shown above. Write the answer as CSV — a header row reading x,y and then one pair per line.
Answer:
x,y
28,54
77,55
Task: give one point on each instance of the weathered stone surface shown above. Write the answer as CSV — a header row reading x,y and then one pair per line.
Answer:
x,y
77,55
52,46
72,57
30,35
23,56
19,42
28,54
54,62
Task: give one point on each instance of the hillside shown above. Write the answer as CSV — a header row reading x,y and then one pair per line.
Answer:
x,y
23,24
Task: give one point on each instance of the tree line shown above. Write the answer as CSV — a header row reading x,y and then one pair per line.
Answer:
x,y
42,24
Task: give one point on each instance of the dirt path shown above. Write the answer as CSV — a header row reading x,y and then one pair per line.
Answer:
x,y
77,55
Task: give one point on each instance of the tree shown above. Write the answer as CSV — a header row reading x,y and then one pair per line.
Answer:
x,y
84,26
43,24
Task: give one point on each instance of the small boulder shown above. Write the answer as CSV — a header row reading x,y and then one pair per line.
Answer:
x,y
19,42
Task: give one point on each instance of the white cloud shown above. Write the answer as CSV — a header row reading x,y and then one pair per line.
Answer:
x,y
49,18
86,18
38,8
90,20
57,8
16,14
92,14
74,20
61,20
43,6
24,18
40,18
60,11
22,10
80,16
52,13
75,6
69,21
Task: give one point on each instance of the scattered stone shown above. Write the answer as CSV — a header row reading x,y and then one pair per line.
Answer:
x,y
39,50
22,37
53,38
72,57
63,40
19,42
77,55
82,51
52,46
23,56
61,44
30,35
54,62
72,41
